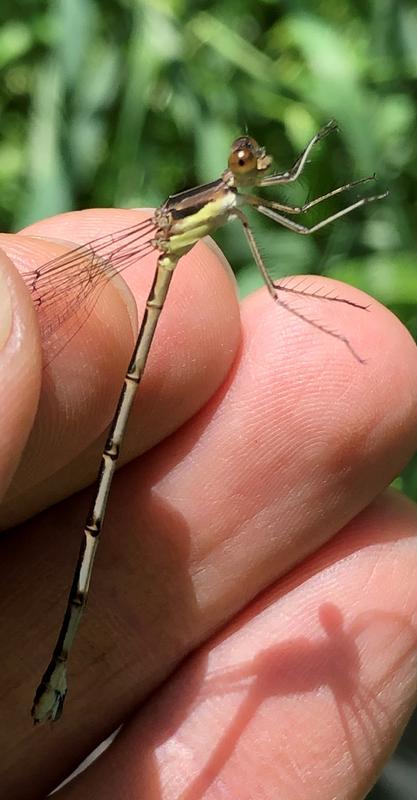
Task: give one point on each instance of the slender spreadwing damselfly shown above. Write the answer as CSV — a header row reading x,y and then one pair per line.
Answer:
x,y
172,231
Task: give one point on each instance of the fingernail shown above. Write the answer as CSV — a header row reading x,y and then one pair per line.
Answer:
x,y
6,309
53,240
122,287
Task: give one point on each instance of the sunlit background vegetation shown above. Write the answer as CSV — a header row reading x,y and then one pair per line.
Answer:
x,y
120,103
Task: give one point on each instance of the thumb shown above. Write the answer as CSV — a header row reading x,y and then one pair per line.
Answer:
x,y
20,369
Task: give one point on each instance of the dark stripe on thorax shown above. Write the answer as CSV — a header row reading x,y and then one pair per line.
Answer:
x,y
187,203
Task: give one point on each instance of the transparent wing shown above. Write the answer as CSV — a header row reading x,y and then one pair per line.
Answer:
x,y
66,289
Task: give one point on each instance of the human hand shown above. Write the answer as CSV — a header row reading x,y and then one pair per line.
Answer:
x,y
305,690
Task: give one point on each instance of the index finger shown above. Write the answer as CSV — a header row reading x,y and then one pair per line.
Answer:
x,y
196,342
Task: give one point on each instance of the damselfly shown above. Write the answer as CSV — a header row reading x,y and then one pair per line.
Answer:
x,y
67,288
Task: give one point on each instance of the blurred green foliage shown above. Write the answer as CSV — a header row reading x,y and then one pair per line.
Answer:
x,y
122,102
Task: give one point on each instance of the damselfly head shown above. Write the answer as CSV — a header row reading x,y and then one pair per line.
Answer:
x,y
247,159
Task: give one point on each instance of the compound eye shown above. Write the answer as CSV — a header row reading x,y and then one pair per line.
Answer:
x,y
243,158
